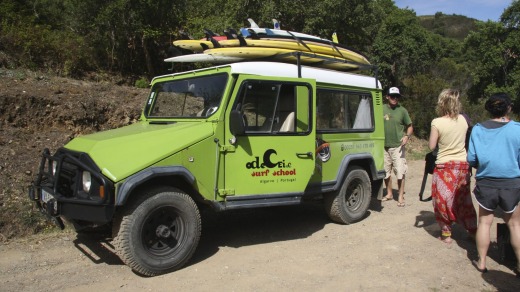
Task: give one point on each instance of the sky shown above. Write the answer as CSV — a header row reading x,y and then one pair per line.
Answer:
x,y
479,9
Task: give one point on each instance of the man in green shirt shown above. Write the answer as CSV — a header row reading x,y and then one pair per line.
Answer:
x,y
398,129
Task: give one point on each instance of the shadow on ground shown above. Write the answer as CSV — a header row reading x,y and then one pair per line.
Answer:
x,y
235,228
502,281
247,227
97,247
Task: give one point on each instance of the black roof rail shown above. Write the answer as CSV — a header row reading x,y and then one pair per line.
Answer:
x,y
328,60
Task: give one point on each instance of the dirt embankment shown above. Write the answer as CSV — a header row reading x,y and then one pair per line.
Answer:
x,y
37,112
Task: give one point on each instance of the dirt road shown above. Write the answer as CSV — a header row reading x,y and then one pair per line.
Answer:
x,y
276,249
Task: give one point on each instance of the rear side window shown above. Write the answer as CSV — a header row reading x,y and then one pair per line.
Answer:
x,y
343,111
270,107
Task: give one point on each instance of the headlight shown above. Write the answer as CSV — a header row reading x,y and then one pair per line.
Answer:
x,y
87,181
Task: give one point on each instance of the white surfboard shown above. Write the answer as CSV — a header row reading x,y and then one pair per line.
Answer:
x,y
263,32
203,58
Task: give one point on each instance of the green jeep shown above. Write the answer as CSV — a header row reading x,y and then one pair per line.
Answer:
x,y
242,135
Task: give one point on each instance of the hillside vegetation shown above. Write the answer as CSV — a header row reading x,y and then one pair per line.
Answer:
x,y
455,27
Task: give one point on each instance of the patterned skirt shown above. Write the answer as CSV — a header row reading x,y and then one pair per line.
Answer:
x,y
451,197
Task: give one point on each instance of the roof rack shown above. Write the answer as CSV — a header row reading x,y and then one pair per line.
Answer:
x,y
329,60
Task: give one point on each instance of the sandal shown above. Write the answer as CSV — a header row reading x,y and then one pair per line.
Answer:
x,y
517,270
447,240
401,204
475,264
386,199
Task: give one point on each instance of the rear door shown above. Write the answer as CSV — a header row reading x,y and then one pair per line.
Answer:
x,y
276,153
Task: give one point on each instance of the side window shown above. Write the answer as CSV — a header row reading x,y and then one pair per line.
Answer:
x,y
344,111
274,107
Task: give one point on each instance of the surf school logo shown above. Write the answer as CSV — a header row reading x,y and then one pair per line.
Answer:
x,y
274,168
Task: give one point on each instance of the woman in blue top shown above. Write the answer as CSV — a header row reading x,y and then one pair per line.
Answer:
x,y
494,149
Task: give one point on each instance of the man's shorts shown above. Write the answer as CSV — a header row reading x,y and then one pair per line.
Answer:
x,y
490,197
395,160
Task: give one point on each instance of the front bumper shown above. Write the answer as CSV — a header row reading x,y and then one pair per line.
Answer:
x,y
58,192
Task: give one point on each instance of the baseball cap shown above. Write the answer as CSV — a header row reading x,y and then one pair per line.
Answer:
x,y
394,91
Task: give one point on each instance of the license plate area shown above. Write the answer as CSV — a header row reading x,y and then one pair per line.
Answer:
x,y
46,197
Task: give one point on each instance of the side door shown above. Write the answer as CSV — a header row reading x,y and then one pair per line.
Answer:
x,y
275,155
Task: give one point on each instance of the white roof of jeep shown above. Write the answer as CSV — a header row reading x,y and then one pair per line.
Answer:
x,y
277,69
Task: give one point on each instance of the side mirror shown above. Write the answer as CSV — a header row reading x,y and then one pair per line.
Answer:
x,y
236,123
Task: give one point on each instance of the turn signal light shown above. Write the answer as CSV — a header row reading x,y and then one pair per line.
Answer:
x,y
102,192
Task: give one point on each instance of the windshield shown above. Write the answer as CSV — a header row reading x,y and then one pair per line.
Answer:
x,y
186,98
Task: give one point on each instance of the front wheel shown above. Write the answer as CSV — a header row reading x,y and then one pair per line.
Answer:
x,y
350,203
159,233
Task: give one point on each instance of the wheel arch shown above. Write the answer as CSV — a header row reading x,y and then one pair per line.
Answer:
x,y
366,162
172,176
363,160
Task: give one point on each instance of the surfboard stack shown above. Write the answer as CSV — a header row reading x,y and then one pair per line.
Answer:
x,y
256,43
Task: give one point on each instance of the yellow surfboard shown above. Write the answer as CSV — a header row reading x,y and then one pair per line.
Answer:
x,y
193,45
289,44
309,46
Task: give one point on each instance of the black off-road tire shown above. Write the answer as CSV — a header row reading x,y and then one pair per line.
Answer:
x,y
158,233
350,203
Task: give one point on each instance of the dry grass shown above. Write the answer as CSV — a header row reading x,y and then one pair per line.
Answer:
x,y
416,149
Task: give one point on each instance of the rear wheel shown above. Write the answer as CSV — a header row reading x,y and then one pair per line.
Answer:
x,y
350,203
159,233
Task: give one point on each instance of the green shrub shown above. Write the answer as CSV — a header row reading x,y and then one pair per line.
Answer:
x,y
142,83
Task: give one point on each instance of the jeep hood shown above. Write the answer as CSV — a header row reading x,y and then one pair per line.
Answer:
x,y
124,151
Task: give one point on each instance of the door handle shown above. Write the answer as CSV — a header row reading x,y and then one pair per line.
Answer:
x,y
304,155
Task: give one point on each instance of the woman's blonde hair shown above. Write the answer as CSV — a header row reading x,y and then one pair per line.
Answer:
x,y
448,103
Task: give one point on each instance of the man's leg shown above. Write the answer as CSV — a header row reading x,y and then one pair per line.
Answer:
x,y
389,190
388,163
402,169
400,185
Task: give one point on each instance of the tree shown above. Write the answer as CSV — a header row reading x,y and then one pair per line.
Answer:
x,y
133,35
493,52
423,89
36,35
403,47
355,21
